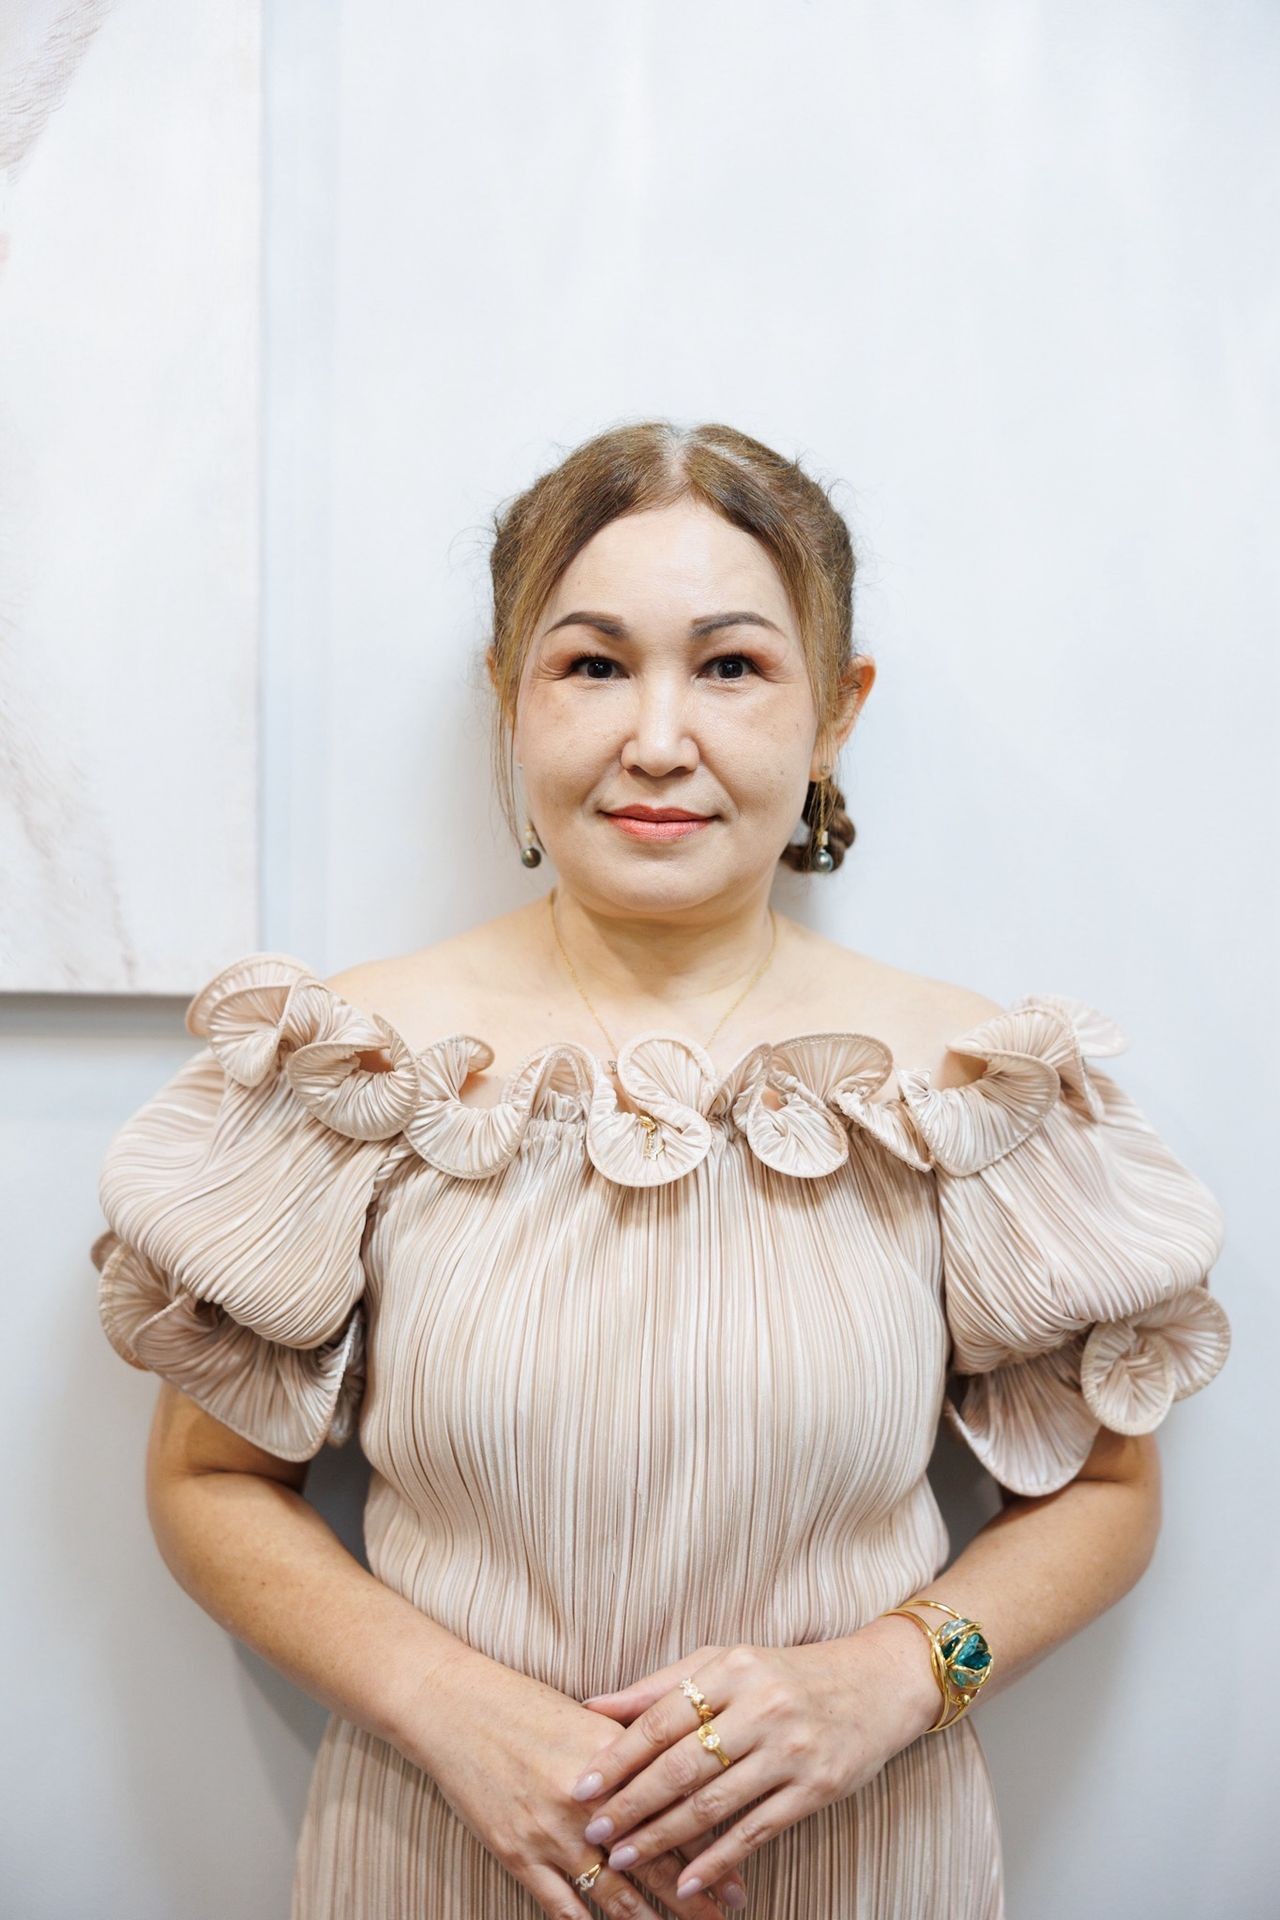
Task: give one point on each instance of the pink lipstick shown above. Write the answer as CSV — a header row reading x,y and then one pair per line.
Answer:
x,y
658,823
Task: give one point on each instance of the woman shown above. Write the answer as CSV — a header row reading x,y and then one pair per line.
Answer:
x,y
647,1341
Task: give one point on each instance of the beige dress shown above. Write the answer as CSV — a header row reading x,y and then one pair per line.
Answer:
x,y
633,1378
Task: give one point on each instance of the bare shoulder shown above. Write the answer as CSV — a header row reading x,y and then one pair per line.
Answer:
x,y
947,1011
448,986
917,1015
377,985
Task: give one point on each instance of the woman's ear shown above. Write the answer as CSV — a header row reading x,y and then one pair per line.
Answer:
x,y
862,673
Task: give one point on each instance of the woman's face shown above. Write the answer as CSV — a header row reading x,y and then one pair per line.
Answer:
x,y
667,672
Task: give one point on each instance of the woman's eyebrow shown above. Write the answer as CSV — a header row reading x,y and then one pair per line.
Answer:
x,y
710,623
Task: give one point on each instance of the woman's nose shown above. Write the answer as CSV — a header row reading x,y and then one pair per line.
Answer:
x,y
660,738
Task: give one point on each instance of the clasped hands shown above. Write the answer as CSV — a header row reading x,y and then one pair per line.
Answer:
x,y
803,1726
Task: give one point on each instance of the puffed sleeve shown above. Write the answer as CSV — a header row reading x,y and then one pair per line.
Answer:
x,y
1076,1248
237,1199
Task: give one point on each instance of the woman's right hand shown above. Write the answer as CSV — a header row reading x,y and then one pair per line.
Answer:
x,y
504,1749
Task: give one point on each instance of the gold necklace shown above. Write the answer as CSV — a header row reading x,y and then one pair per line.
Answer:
x,y
613,1063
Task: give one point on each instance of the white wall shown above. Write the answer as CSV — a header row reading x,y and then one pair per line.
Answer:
x,y
1005,270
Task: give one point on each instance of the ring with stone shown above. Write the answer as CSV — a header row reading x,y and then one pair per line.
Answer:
x,y
692,1691
711,1741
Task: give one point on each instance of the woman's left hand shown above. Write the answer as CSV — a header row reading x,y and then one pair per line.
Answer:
x,y
803,1726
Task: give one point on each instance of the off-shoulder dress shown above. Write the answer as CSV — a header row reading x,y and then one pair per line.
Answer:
x,y
636,1376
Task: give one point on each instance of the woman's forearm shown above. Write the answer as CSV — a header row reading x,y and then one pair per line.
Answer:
x,y
263,1563
259,1559
1042,1569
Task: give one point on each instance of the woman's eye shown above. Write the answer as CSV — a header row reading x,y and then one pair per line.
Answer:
x,y
595,659
602,660
722,657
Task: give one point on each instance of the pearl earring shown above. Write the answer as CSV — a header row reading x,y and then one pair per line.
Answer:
x,y
823,860
530,853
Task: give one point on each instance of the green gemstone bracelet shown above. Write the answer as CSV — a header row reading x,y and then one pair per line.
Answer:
x,y
962,1659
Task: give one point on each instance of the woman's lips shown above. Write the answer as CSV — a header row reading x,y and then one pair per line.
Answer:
x,y
640,829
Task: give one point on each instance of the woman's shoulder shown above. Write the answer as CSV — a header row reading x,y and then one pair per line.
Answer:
x,y
398,985
915,1015
461,983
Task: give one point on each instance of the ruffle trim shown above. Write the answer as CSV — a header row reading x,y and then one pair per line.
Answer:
x,y
1073,1277
1032,1423
268,1014
289,1401
1033,1054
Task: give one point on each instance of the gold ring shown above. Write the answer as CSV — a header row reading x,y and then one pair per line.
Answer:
x,y
583,1881
711,1741
693,1692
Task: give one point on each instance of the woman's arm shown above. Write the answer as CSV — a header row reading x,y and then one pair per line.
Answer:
x,y
236,1533
234,1529
1043,1568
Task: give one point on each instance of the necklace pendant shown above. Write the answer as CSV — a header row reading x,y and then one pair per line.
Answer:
x,y
612,1065
654,1144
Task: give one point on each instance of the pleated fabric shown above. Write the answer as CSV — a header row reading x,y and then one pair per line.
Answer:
x,y
636,1373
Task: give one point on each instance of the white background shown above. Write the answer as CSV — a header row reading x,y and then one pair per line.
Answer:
x,y
1008,273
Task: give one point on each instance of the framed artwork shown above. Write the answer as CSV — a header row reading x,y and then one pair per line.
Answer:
x,y
130,491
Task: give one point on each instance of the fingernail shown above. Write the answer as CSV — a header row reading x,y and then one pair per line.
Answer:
x,y
589,1784
623,1856
599,1830
689,1886
735,1896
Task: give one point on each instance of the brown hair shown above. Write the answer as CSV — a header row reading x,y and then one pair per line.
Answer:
x,y
653,464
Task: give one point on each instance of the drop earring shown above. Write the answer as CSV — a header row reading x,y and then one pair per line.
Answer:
x,y
823,860
530,852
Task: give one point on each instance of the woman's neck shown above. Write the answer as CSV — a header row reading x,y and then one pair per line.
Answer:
x,y
670,961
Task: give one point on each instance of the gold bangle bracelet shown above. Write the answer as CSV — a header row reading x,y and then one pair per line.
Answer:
x,y
960,1656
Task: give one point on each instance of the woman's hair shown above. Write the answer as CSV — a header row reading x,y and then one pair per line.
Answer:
x,y
654,464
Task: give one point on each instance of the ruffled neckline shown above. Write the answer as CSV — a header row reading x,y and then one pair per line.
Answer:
x,y
268,1014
